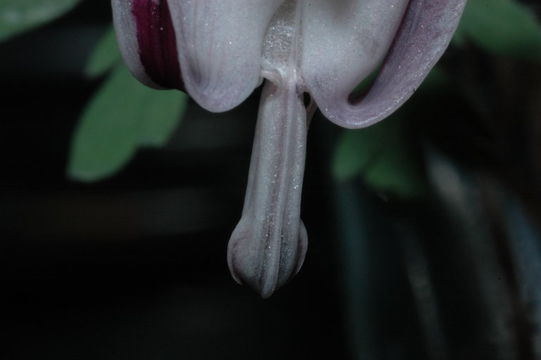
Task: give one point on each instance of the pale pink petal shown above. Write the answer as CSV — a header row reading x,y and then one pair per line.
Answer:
x,y
423,36
269,243
220,44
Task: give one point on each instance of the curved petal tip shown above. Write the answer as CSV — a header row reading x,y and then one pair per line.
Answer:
x,y
423,37
263,268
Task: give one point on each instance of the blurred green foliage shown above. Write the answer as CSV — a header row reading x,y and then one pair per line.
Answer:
x,y
104,56
382,154
501,27
17,16
122,116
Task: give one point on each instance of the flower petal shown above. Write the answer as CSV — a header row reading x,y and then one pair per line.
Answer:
x,y
147,41
268,246
423,36
345,41
220,45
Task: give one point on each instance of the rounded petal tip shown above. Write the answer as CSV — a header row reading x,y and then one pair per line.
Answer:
x,y
262,264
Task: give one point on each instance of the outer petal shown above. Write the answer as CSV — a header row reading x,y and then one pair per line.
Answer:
x,y
220,44
147,41
423,36
345,41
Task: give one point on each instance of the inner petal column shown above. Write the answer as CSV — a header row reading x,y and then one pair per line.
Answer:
x,y
269,244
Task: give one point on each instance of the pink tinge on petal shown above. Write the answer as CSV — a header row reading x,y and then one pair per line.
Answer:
x,y
423,36
157,42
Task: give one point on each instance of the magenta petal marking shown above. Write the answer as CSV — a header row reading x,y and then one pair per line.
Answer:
x,y
424,34
157,42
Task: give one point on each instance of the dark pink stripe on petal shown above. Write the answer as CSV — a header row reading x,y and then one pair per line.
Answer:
x,y
157,42
424,34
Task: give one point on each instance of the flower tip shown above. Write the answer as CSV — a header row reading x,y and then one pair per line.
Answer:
x,y
264,266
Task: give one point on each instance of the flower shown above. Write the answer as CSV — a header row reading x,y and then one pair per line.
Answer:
x,y
219,51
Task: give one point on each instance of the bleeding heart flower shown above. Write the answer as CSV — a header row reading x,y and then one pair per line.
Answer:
x,y
218,51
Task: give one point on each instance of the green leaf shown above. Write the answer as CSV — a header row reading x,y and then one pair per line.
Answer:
x,y
383,158
122,116
502,27
161,117
17,16
104,56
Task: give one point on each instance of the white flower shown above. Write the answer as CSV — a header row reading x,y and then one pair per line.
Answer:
x,y
218,51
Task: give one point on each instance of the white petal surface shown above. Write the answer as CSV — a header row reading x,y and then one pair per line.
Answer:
x,y
422,38
268,246
344,41
220,44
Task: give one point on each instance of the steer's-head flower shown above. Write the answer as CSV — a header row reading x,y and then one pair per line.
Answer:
x,y
219,51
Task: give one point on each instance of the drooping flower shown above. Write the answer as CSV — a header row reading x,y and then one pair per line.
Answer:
x,y
219,51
